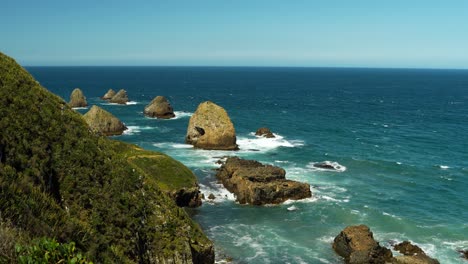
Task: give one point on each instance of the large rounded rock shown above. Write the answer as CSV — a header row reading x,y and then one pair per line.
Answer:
x,y
159,108
101,121
412,254
120,98
357,245
77,99
108,95
211,128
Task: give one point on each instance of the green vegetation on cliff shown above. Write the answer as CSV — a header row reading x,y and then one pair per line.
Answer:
x,y
60,180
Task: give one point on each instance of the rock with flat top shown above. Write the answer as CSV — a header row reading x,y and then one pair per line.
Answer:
x,y
159,108
77,99
211,128
101,121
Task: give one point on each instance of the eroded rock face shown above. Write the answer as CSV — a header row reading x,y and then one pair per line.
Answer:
x,y
159,108
108,95
211,128
357,245
101,121
120,97
412,254
264,132
77,99
258,184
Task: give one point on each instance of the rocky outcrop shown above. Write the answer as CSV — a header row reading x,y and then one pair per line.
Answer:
x,y
412,254
264,132
159,108
108,95
258,184
463,253
211,128
101,121
77,99
356,244
120,97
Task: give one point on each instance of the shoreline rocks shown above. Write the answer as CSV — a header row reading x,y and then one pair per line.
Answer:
x,y
211,128
356,244
264,132
120,97
159,108
101,121
77,99
108,95
255,183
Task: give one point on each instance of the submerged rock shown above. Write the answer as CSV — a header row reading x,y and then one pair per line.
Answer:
x,y
159,108
357,245
258,184
412,254
463,253
120,98
101,121
211,128
108,95
77,99
264,132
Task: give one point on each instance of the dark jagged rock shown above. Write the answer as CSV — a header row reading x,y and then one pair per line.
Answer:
x,y
258,184
101,121
211,128
211,196
77,99
356,244
463,253
120,97
264,132
159,108
412,254
108,95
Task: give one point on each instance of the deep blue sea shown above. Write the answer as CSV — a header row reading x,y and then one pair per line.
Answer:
x,y
401,135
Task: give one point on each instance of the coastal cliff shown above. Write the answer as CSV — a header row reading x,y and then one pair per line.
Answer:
x,y
60,180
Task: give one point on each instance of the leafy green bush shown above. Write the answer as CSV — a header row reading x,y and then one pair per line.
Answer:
x,y
47,250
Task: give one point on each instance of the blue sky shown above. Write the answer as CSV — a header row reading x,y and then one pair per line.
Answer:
x,y
329,33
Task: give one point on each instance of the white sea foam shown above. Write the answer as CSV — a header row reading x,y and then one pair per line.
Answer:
x,y
181,114
326,166
132,103
391,215
443,167
292,208
131,130
80,108
221,194
306,200
258,143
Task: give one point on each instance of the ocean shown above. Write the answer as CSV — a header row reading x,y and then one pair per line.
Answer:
x,y
400,135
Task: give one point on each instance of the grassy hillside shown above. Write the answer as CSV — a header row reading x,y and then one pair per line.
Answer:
x,y
59,180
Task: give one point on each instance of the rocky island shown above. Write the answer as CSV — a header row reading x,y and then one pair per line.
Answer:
x,y
77,99
255,183
120,97
101,121
108,95
159,107
61,181
211,128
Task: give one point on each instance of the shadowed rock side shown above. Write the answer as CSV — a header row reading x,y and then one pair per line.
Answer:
x,y
159,108
108,95
264,132
258,184
463,253
120,97
101,121
77,99
60,180
211,128
357,245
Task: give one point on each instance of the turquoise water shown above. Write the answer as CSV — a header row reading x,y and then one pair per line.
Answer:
x,y
402,136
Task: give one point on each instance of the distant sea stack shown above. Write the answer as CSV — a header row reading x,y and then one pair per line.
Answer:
x,y
104,122
77,99
211,128
120,98
159,108
108,95
264,132
255,183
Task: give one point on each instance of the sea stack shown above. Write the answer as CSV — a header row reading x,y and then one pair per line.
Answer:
x,y
211,128
120,98
77,99
255,183
264,132
108,95
101,121
159,108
